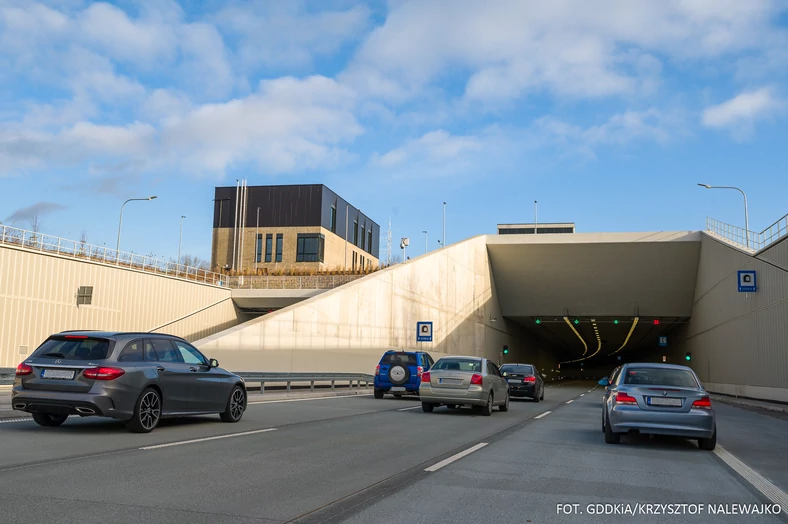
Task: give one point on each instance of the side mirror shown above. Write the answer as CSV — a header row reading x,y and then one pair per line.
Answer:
x,y
213,363
604,382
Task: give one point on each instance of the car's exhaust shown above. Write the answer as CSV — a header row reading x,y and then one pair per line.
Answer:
x,y
19,406
86,411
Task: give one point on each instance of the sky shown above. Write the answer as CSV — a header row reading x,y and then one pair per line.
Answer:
x,y
608,113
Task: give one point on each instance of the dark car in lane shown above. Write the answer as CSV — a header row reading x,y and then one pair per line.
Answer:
x,y
138,378
659,399
524,381
399,372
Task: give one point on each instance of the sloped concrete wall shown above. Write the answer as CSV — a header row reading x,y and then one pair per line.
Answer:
x,y
347,329
738,341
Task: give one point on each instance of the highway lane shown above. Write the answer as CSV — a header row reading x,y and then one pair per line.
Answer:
x,y
320,451
561,458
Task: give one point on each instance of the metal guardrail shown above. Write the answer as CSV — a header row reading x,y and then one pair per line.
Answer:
x,y
749,240
104,255
263,378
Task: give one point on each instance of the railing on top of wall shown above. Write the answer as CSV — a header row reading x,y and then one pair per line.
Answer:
x,y
749,239
104,255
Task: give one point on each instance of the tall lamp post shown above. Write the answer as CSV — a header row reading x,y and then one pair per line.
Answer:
x,y
120,223
746,212
443,243
426,246
180,242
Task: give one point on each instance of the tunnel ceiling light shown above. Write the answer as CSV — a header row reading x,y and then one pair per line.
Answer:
x,y
576,321
598,346
615,321
631,330
538,320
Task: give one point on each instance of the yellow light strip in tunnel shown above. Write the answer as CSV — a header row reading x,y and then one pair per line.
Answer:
x,y
569,323
598,345
631,330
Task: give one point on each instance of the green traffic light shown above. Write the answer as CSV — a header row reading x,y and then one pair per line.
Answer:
x,y
687,357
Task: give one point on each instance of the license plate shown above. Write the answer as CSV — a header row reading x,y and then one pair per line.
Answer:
x,y
661,401
514,381
452,381
62,374
397,389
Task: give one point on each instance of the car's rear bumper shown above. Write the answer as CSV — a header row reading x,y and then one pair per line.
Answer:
x,y
522,390
471,397
397,388
60,403
697,423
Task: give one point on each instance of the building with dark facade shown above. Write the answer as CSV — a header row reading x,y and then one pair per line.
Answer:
x,y
309,227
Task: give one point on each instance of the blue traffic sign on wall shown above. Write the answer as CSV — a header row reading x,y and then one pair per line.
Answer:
x,y
423,331
663,341
747,282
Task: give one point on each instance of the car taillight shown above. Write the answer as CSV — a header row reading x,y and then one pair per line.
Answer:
x,y
425,377
420,370
476,380
623,398
529,378
377,370
103,373
23,369
703,403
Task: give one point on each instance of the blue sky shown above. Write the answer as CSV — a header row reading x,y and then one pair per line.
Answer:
x,y
607,114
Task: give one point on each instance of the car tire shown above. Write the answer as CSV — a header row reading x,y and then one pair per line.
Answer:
x,y
603,421
505,406
487,409
610,437
147,412
378,393
536,398
49,420
708,444
542,397
427,408
236,405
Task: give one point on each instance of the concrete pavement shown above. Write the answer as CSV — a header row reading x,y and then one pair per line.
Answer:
x,y
358,459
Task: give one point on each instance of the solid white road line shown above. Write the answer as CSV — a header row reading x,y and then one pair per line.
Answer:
x,y
458,456
768,489
582,394
543,414
406,409
182,442
570,401
304,399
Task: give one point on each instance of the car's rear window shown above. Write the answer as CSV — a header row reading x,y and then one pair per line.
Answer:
x,y
403,359
660,377
68,348
518,370
458,364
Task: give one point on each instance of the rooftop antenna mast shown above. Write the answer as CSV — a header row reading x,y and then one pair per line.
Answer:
x,y
388,245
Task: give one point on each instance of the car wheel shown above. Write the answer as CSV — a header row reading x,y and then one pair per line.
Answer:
x,y
536,398
610,437
487,409
603,421
236,405
542,397
427,408
147,412
49,420
505,406
378,393
708,444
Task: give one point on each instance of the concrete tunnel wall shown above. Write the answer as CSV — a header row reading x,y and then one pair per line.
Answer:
x,y
347,329
739,343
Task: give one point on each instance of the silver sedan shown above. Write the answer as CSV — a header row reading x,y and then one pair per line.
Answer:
x,y
658,399
464,381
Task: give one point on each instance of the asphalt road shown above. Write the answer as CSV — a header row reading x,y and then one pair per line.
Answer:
x,y
355,459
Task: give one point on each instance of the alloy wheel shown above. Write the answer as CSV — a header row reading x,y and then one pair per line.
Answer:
x,y
150,410
237,404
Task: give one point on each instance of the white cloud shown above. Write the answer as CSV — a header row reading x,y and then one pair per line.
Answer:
x,y
435,146
740,112
577,49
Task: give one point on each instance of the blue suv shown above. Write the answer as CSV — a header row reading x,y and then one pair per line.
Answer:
x,y
399,372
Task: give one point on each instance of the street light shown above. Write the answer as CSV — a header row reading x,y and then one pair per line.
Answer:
x,y
120,223
180,242
746,213
426,247
443,243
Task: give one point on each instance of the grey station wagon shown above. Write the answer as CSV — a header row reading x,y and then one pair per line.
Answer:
x,y
139,378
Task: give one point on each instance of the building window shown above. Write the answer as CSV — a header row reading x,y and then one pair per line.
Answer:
x,y
355,232
268,245
363,237
279,241
362,261
355,257
310,247
369,243
259,255
332,222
